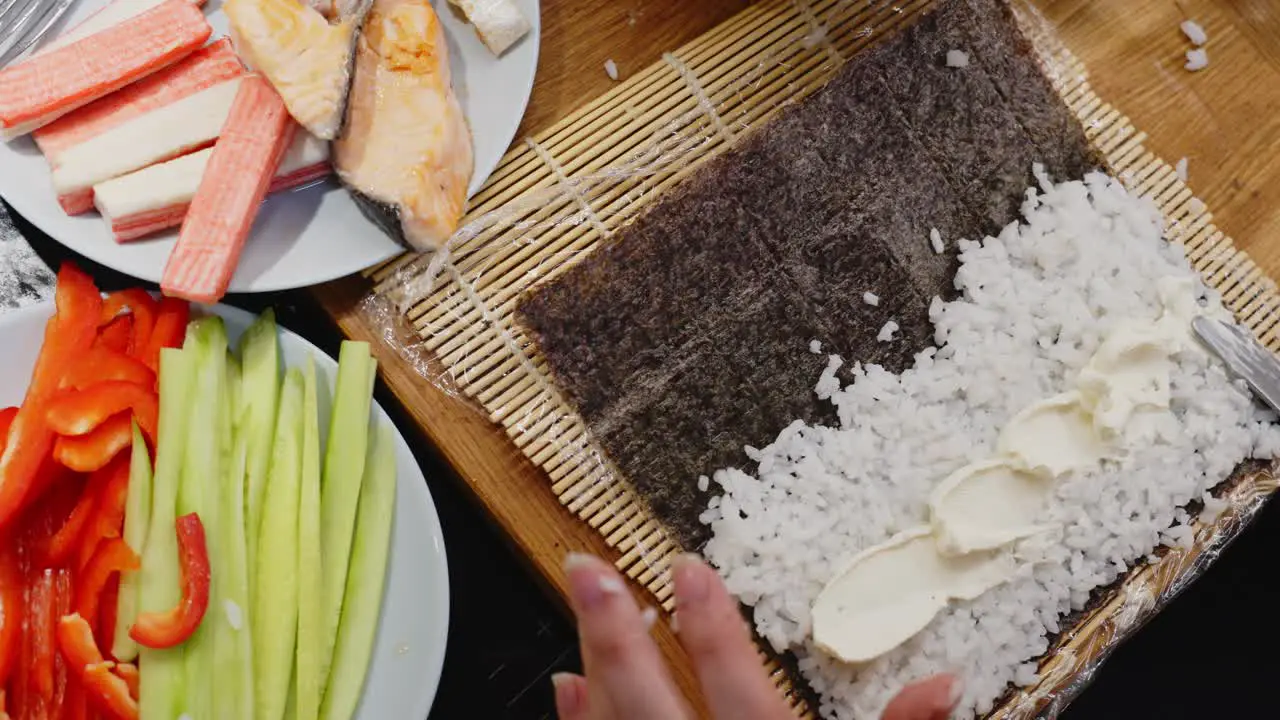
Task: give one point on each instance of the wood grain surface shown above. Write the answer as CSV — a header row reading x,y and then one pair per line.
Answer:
x,y
1225,120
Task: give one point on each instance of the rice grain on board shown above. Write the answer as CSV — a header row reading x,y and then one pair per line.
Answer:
x,y
1194,32
1037,301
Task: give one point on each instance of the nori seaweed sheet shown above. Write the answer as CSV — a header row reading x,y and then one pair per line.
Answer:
x,y
685,338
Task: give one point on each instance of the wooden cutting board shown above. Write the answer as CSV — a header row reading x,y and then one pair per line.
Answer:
x,y
1225,120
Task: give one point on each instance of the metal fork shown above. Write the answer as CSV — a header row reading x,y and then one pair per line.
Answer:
x,y
24,22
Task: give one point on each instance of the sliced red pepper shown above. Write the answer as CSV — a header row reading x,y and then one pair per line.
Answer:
x,y
102,364
167,629
63,598
42,619
108,609
78,412
6,421
112,557
91,452
139,304
12,609
128,672
68,336
169,331
117,335
107,519
66,540
107,692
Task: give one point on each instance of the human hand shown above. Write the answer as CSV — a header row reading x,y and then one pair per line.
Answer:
x,y
626,678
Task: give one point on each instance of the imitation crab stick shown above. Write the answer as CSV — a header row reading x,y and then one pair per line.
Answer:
x,y
204,68
171,131
112,14
38,91
156,198
244,161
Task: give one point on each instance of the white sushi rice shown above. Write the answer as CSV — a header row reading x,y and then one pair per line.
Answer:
x,y
871,298
1194,32
1036,301
815,346
957,58
935,241
611,69
1197,59
886,332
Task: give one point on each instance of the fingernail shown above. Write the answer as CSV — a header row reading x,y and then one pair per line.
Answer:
x,y
692,585
568,699
589,582
955,693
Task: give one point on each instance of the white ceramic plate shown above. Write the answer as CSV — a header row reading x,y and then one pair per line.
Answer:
x,y
311,235
409,653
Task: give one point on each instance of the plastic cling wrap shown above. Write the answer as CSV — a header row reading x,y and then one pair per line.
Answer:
x,y
557,196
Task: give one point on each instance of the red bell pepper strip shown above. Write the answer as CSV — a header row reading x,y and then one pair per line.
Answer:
x,y
12,607
112,557
166,629
107,519
102,364
68,336
139,304
78,412
117,335
107,692
169,331
59,548
6,421
91,452
108,609
63,598
128,672
41,622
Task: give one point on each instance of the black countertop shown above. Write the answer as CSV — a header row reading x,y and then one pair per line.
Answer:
x,y
1207,655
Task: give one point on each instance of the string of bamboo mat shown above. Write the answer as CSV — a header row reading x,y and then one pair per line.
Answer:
x,y
556,196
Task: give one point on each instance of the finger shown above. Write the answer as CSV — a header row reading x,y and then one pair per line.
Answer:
x,y
930,699
713,632
571,696
625,673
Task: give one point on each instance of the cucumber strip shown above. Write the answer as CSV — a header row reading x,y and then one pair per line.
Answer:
x,y
343,473
162,671
312,660
203,475
233,640
366,582
260,393
274,616
137,515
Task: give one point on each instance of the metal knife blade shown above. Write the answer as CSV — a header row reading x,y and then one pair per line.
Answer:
x,y
1244,355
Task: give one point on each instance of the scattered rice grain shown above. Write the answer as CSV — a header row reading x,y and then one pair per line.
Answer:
x,y
611,69
1194,32
886,332
871,298
935,241
1197,59
957,58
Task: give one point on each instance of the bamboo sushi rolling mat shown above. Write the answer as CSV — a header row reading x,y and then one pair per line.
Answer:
x,y
1225,119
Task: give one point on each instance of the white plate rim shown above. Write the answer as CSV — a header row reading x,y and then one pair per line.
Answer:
x,y
409,474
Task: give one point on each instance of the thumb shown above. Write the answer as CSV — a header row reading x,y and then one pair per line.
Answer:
x,y
930,699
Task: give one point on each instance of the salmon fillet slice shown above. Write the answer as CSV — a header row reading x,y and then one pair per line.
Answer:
x,y
249,150
38,91
202,69
156,198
